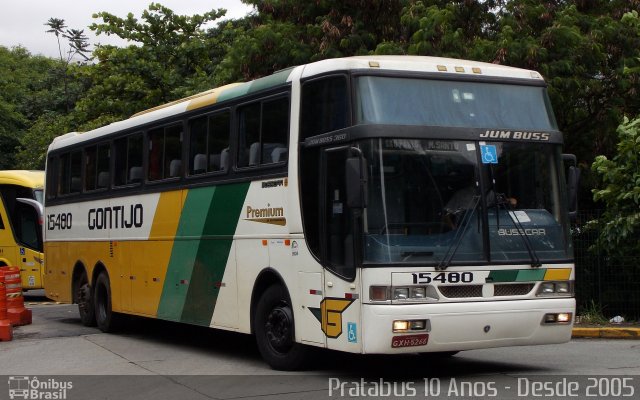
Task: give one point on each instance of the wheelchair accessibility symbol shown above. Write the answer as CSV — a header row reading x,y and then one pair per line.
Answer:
x,y
489,154
352,332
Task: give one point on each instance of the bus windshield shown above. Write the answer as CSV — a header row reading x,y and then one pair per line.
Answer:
x,y
437,201
409,101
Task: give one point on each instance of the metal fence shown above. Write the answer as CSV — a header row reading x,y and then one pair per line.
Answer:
x,y
607,284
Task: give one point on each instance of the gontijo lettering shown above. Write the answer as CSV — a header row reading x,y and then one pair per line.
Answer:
x,y
118,217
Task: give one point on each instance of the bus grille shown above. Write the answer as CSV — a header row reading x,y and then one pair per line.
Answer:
x,y
513,289
461,291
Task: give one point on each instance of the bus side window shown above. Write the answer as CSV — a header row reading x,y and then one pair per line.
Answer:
x,y
165,152
209,140
275,129
76,172
52,169
90,155
69,178
128,160
249,134
103,176
263,132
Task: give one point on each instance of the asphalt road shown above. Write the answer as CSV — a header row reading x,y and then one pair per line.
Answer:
x,y
154,359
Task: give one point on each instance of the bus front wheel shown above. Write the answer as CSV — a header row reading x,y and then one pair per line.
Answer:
x,y
106,319
274,330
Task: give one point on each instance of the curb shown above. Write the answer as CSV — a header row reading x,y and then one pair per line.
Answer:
x,y
607,333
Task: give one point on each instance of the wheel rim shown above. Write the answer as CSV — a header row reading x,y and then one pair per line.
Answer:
x,y
278,329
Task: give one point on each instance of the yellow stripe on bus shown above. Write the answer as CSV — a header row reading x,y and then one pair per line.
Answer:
x,y
209,98
165,222
557,274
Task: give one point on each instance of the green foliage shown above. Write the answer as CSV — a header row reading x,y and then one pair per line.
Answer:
x,y
619,190
37,138
29,87
593,314
173,56
291,32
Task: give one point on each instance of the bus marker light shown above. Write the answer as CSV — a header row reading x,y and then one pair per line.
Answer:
x,y
351,296
287,242
378,293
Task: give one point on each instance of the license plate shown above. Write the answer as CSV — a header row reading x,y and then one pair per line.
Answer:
x,y
410,340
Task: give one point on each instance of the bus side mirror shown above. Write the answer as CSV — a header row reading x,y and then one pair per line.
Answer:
x,y
573,181
356,181
36,206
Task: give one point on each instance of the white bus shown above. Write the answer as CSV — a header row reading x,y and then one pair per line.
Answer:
x,y
383,204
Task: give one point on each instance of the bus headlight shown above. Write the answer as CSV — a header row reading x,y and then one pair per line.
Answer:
x,y
557,318
559,288
403,293
400,326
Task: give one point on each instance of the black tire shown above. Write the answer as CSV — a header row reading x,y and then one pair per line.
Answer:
x,y
106,319
82,295
274,331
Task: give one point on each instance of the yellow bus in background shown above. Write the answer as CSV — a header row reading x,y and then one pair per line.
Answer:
x,y
21,225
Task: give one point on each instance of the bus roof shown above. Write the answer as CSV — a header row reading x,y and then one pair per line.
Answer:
x,y
30,179
392,63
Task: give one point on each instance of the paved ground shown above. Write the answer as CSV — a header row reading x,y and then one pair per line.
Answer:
x,y
154,359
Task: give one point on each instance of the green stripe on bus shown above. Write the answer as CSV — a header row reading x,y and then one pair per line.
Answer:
x,y
529,275
516,275
279,78
213,253
183,254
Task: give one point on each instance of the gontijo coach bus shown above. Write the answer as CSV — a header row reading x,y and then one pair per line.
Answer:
x,y
368,204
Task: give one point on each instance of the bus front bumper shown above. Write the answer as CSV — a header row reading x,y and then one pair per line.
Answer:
x,y
465,326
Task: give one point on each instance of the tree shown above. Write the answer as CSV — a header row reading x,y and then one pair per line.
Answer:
x,y
619,190
171,59
291,32
78,47
30,87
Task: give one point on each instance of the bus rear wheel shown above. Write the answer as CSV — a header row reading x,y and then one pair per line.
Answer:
x,y
82,296
106,319
274,331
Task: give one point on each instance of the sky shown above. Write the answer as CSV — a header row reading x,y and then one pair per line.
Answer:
x,y
22,21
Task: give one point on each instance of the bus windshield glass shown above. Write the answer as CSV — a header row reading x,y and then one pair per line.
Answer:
x,y
437,202
408,101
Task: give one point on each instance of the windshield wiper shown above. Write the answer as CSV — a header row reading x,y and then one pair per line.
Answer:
x,y
457,239
500,200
